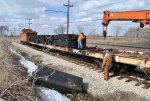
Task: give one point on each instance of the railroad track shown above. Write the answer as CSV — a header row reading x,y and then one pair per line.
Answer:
x,y
138,47
94,64
122,47
130,78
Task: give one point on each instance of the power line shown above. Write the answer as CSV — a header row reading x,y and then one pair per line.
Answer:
x,y
68,11
55,11
75,22
29,22
85,21
63,23
107,5
82,21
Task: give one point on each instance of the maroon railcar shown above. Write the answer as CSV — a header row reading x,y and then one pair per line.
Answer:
x,y
26,34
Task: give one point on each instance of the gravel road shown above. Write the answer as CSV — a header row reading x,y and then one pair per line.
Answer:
x,y
96,85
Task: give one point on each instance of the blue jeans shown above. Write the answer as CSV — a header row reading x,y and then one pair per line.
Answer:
x,y
79,44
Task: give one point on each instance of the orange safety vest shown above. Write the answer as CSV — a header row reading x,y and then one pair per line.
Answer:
x,y
81,37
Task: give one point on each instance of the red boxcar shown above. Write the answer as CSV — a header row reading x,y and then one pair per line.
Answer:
x,y
26,34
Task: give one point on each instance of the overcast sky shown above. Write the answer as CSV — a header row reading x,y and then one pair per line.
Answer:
x,y
14,13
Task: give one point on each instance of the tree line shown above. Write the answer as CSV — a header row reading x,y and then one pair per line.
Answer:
x,y
3,30
135,32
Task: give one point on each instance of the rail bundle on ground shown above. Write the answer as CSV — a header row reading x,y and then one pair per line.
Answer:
x,y
60,81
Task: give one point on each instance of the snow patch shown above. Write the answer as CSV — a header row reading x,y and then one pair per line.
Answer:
x,y
51,95
31,67
141,53
2,99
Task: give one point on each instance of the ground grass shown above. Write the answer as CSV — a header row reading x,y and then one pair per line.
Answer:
x,y
14,85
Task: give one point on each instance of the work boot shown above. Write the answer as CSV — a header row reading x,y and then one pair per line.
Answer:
x,y
106,73
106,79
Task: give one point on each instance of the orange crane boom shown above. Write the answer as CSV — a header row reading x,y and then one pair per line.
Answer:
x,y
142,17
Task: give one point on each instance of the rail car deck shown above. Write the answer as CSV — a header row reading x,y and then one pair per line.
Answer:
x,y
139,59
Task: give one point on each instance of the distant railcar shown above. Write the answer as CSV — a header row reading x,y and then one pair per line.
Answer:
x,y
26,34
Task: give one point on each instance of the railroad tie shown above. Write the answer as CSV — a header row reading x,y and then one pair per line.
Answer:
x,y
138,84
128,80
121,77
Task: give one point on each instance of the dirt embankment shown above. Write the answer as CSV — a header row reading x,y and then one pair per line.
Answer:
x,y
14,85
113,90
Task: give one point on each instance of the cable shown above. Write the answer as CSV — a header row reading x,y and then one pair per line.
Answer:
x,y
73,22
86,21
55,11
107,5
83,21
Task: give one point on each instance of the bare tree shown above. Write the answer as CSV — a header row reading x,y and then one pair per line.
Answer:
x,y
145,33
117,31
3,29
131,32
60,30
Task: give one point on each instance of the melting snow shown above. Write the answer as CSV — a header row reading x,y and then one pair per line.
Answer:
x,y
51,95
31,67
46,94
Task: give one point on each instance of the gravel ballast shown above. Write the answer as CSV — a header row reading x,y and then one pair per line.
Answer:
x,y
96,85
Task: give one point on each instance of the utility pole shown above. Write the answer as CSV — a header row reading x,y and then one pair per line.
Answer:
x,y
15,31
29,22
138,33
68,11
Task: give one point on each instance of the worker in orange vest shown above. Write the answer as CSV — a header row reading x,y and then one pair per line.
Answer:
x,y
80,38
107,62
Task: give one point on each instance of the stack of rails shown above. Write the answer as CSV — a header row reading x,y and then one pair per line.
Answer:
x,y
34,39
65,40
42,39
60,81
62,40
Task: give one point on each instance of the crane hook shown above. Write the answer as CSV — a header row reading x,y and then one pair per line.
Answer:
x,y
141,25
104,32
